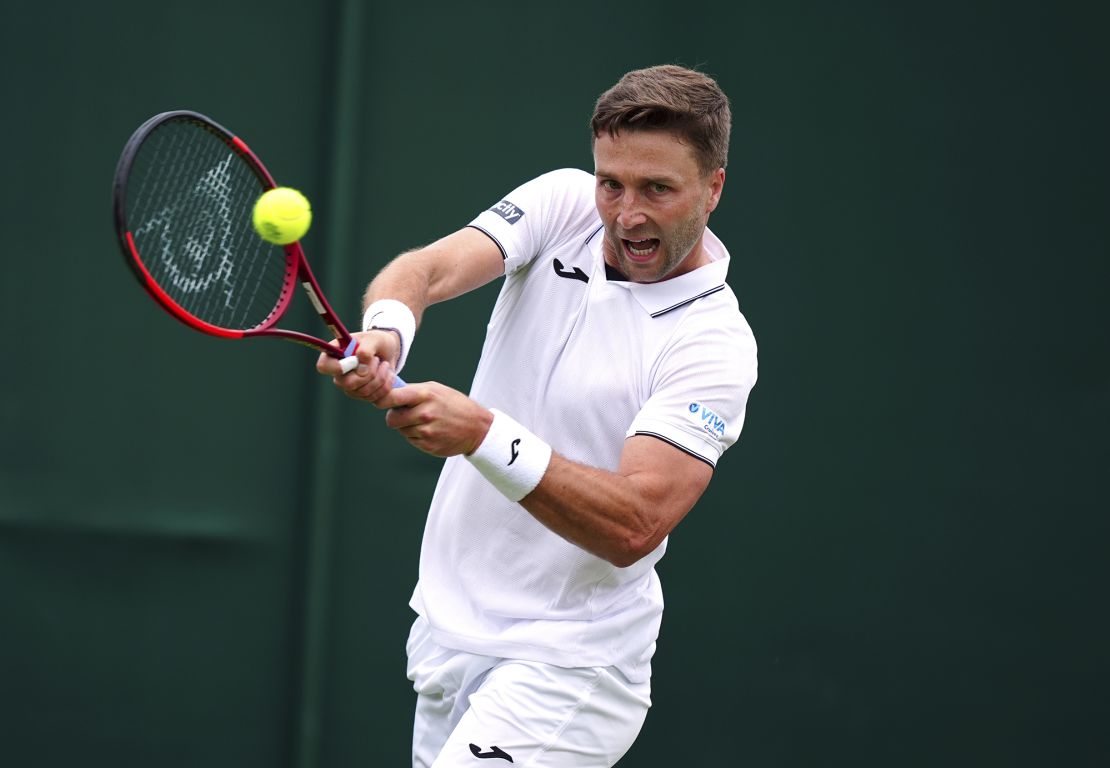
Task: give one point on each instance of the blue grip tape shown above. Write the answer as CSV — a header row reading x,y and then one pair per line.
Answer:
x,y
350,350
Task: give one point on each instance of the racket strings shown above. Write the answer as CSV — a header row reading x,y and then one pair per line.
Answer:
x,y
189,204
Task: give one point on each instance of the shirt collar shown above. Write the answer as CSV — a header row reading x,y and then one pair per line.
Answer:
x,y
662,297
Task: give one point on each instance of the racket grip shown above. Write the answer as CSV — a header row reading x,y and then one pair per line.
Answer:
x,y
348,364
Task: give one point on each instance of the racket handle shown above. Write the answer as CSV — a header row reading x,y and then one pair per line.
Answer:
x,y
348,364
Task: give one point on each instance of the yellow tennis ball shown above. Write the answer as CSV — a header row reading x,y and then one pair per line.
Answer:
x,y
282,216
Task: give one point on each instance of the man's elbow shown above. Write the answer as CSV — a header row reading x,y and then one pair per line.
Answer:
x,y
632,549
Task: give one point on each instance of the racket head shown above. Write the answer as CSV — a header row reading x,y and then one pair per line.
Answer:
x,y
183,195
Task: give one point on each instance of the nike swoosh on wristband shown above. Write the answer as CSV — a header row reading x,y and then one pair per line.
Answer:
x,y
514,451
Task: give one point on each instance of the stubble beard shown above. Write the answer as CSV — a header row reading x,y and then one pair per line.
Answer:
x,y
676,246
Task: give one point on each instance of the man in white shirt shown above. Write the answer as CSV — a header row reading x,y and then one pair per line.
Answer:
x,y
615,372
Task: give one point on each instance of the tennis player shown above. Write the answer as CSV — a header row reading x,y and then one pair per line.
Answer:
x,y
615,372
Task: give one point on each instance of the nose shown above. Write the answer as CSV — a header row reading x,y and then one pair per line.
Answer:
x,y
630,213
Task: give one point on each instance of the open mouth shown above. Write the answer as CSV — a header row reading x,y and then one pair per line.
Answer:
x,y
641,250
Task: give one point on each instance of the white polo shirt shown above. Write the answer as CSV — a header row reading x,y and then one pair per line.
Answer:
x,y
583,361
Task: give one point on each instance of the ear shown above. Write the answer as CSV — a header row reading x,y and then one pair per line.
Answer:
x,y
716,185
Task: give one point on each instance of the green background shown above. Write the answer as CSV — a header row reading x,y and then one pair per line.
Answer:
x,y
206,552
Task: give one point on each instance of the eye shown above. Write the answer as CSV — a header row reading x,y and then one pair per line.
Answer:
x,y
610,184
659,188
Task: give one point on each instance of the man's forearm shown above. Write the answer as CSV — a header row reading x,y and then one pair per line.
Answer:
x,y
599,511
405,279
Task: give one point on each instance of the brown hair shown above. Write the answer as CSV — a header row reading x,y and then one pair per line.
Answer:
x,y
669,98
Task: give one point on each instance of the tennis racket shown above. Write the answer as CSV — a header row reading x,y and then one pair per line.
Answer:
x,y
184,193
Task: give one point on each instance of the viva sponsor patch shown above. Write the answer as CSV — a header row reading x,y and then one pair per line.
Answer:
x,y
710,422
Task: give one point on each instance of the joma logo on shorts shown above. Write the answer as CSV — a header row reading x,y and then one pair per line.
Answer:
x,y
710,422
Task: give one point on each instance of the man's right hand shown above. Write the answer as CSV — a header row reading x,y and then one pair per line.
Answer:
x,y
373,378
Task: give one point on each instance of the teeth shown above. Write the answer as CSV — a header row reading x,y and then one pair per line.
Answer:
x,y
641,251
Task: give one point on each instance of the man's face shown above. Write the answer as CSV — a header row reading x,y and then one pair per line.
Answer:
x,y
654,202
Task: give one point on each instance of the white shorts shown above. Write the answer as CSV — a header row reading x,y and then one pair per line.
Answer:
x,y
481,712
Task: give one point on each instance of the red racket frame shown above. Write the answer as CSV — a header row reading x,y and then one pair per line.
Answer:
x,y
296,266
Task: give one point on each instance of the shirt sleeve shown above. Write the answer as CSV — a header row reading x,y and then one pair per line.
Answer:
x,y
523,223
700,390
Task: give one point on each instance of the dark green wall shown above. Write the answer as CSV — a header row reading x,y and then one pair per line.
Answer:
x,y
206,554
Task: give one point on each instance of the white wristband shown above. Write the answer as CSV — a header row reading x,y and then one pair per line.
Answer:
x,y
511,457
392,315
